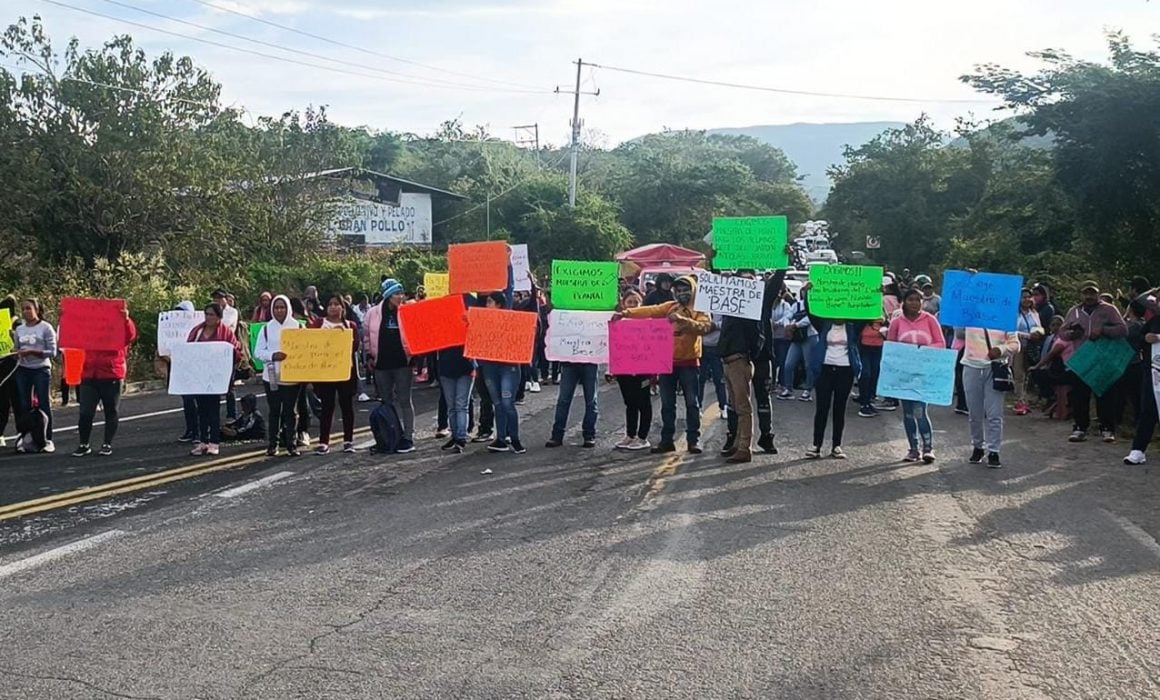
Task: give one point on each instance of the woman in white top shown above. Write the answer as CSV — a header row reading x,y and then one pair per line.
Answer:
x,y
281,398
836,366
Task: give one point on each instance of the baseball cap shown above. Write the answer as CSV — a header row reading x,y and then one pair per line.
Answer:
x,y
1089,284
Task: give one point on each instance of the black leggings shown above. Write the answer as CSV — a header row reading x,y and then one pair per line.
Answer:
x,y
108,393
637,405
344,391
833,391
282,402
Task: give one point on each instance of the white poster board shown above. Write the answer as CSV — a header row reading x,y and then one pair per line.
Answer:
x,y
578,336
1156,373
521,268
729,296
201,368
173,327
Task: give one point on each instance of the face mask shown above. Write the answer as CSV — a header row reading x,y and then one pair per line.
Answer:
x,y
683,297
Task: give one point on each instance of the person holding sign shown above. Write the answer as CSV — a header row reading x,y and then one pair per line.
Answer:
x,y
920,328
281,398
836,366
634,389
1093,319
343,391
101,380
1146,416
9,399
35,346
391,360
503,380
986,354
688,327
209,416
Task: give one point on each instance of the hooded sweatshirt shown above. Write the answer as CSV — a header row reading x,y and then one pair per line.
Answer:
x,y
1103,316
270,339
688,326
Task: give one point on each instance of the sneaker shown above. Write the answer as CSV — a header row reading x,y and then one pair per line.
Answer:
x,y
348,447
460,447
977,456
554,442
730,445
695,448
814,452
739,457
785,395
49,447
449,445
293,452
322,450
837,453
626,443
855,395
535,388
520,402
3,441
1135,457
868,412
1077,436
806,396
82,450
272,451
20,448
527,386
911,456
212,449
443,432
993,461
518,447
663,447
1021,408
483,437
303,439
928,456
588,443
198,449
106,451
765,442
405,446
639,444
363,398
962,411
1107,436
887,405
499,446
188,437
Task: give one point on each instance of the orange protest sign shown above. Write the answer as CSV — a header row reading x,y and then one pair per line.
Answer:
x,y
478,267
499,335
435,324
74,365
92,324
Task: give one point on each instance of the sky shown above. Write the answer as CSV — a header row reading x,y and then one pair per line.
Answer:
x,y
497,62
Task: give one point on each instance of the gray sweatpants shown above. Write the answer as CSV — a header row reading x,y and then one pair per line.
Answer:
x,y
985,406
395,389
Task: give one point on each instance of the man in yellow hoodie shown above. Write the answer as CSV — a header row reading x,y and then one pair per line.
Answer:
x,y
688,327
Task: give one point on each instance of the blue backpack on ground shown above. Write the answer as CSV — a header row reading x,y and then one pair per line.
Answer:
x,y
387,429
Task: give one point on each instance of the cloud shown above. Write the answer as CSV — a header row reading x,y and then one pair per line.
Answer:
x,y
257,8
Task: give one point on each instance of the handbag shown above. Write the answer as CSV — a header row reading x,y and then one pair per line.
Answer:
x,y
1000,371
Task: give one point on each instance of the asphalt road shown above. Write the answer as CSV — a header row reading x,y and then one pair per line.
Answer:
x,y
575,573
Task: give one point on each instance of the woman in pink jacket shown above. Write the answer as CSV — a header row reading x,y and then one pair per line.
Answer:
x,y
916,327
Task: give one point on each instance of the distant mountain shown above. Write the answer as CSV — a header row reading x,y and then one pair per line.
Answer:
x,y
814,147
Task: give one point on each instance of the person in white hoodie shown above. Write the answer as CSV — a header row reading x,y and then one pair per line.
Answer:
x,y
281,398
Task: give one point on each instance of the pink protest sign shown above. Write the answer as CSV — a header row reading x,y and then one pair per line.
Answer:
x,y
643,346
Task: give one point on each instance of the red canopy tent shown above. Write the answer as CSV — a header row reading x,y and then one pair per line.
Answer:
x,y
658,254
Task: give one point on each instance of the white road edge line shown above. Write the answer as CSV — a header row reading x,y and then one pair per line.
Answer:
x,y
59,553
253,485
125,419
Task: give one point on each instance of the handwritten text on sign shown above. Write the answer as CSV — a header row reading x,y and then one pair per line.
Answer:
x,y
729,296
499,335
585,286
521,267
846,292
478,267
750,243
201,369
980,300
643,346
914,373
173,327
432,325
437,284
578,336
92,324
316,355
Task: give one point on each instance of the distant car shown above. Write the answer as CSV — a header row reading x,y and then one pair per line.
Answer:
x,y
649,274
799,276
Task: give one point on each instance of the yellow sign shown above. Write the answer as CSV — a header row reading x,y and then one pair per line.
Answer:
x,y
317,355
6,343
437,284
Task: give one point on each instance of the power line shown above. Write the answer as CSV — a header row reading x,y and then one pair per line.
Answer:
x,y
354,47
491,198
786,91
260,54
308,54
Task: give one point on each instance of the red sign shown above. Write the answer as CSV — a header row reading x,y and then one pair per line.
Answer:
x,y
435,324
92,324
499,335
478,267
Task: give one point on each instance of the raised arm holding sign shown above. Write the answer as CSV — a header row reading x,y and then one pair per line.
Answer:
x,y
845,292
980,300
752,242
478,267
92,324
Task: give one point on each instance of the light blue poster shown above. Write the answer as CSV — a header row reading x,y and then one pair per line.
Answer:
x,y
916,373
980,300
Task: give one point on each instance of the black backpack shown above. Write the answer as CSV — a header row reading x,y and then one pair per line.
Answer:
x,y
387,429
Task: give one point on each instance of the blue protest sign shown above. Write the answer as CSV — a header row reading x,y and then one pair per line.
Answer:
x,y
980,300
916,373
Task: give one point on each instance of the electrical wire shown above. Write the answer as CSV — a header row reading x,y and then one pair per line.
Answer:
x,y
786,91
353,47
308,54
491,199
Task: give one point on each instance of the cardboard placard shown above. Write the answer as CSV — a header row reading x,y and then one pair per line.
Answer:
x,y
438,284
521,268
585,286
1101,363
981,300
478,267
74,365
577,336
201,369
640,346
729,296
435,324
7,344
316,355
750,243
846,292
915,373
500,335
173,327
92,324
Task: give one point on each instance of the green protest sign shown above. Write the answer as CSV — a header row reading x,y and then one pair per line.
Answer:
x,y
1101,363
585,286
750,243
255,331
846,292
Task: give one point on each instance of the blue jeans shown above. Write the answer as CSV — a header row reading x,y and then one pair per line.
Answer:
x,y
35,379
917,422
780,351
688,378
712,369
571,374
457,394
800,352
868,381
503,384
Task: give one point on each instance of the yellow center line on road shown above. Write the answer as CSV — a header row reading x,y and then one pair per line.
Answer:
x,y
669,466
139,483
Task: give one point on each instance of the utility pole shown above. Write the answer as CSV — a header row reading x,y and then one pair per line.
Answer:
x,y
529,134
575,132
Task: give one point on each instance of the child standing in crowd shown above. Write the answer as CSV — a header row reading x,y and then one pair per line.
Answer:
x,y
984,352
209,417
102,380
917,327
341,392
634,389
281,398
391,361
35,346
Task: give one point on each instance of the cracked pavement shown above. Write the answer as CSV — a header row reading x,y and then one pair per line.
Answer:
x,y
575,573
